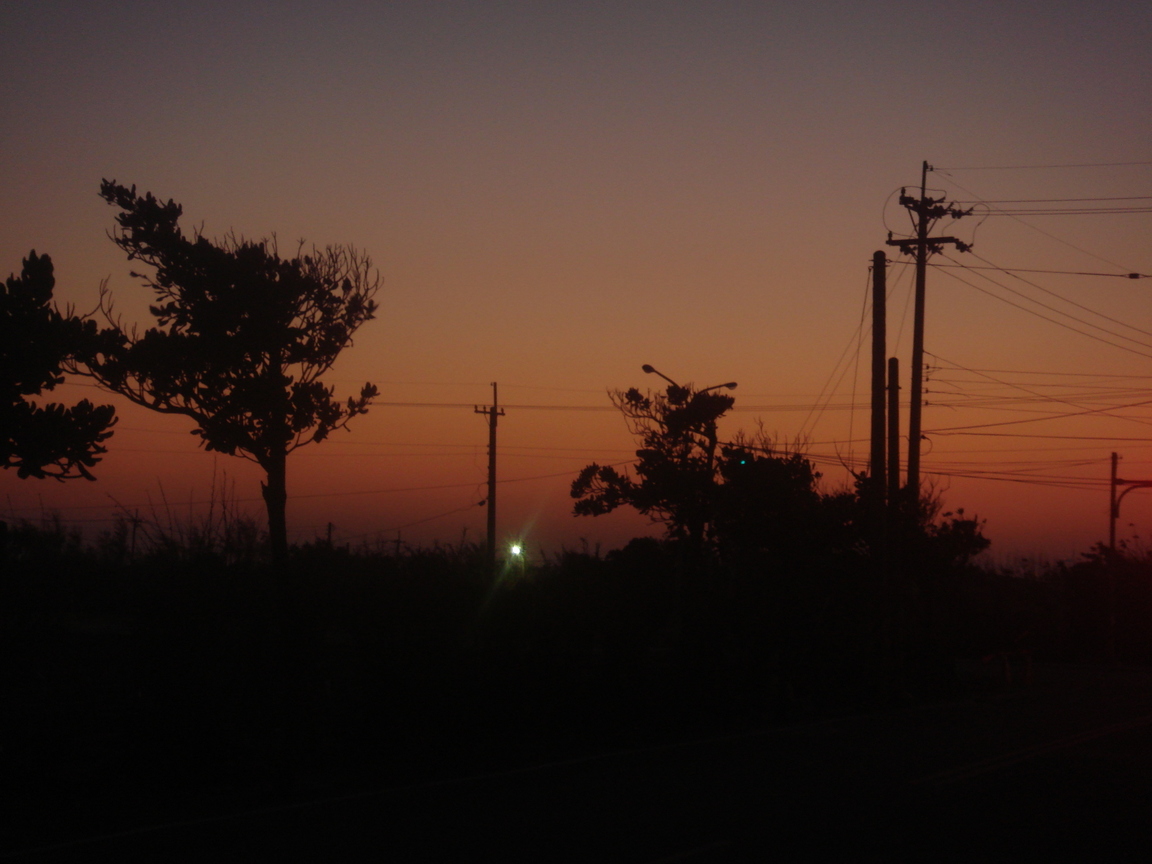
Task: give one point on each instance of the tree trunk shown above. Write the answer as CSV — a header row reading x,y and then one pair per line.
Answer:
x,y
275,494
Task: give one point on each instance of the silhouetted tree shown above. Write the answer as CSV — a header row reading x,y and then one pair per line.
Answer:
x,y
36,340
741,494
243,337
677,462
769,501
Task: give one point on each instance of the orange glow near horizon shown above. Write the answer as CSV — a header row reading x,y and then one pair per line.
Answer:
x,y
555,197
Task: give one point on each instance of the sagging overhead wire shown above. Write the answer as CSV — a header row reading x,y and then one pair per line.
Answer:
x,y
1147,353
829,387
1047,234
1070,211
1052,293
356,491
1013,270
939,170
1063,416
1143,440
1054,200
1033,393
1035,372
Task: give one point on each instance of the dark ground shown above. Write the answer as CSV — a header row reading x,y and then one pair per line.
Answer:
x,y
1059,768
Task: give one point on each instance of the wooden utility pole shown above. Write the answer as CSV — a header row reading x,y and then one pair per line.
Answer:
x,y
893,432
876,471
1113,509
491,414
1114,502
926,212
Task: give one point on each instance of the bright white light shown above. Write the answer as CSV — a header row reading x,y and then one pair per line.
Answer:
x,y
516,549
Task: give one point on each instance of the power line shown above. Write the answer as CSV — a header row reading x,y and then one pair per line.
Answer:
x,y
1049,235
1053,320
1035,482
1035,449
1058,296
1026,390
1039,464
1033,270
1093,390
1034,435
342,494
472,405
992,405
1070,211
381,531
1054,417
1037,167
1052,200
1038,372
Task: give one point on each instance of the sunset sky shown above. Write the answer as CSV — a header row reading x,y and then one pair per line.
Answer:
x,y
557,193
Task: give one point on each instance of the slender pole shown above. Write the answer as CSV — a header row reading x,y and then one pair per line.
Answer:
x,y
876,470
893,432
492,417
1113,510
916,398
491,414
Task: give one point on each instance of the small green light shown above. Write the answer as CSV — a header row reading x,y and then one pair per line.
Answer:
x,y
516,549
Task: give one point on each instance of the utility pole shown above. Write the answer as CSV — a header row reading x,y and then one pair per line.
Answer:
x,y
926,212
876,472
1114,503
491,414
893,433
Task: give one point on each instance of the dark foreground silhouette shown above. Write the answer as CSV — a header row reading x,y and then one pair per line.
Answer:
x,y
412,705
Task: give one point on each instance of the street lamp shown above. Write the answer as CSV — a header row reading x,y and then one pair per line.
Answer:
x,y
651,370
731,385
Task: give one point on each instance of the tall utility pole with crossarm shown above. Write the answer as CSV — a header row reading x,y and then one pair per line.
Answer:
x,y
491,414
925,212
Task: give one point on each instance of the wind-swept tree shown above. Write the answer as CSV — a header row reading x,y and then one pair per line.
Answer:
x,y
677,467
241,341
36,340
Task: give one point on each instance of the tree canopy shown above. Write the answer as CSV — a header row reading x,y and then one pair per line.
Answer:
x,y
676,467
242,337
36,340
734,496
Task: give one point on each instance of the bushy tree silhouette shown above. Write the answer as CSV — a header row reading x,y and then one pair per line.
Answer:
x,y
243,337
736,495
769,501
36,340
677,462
